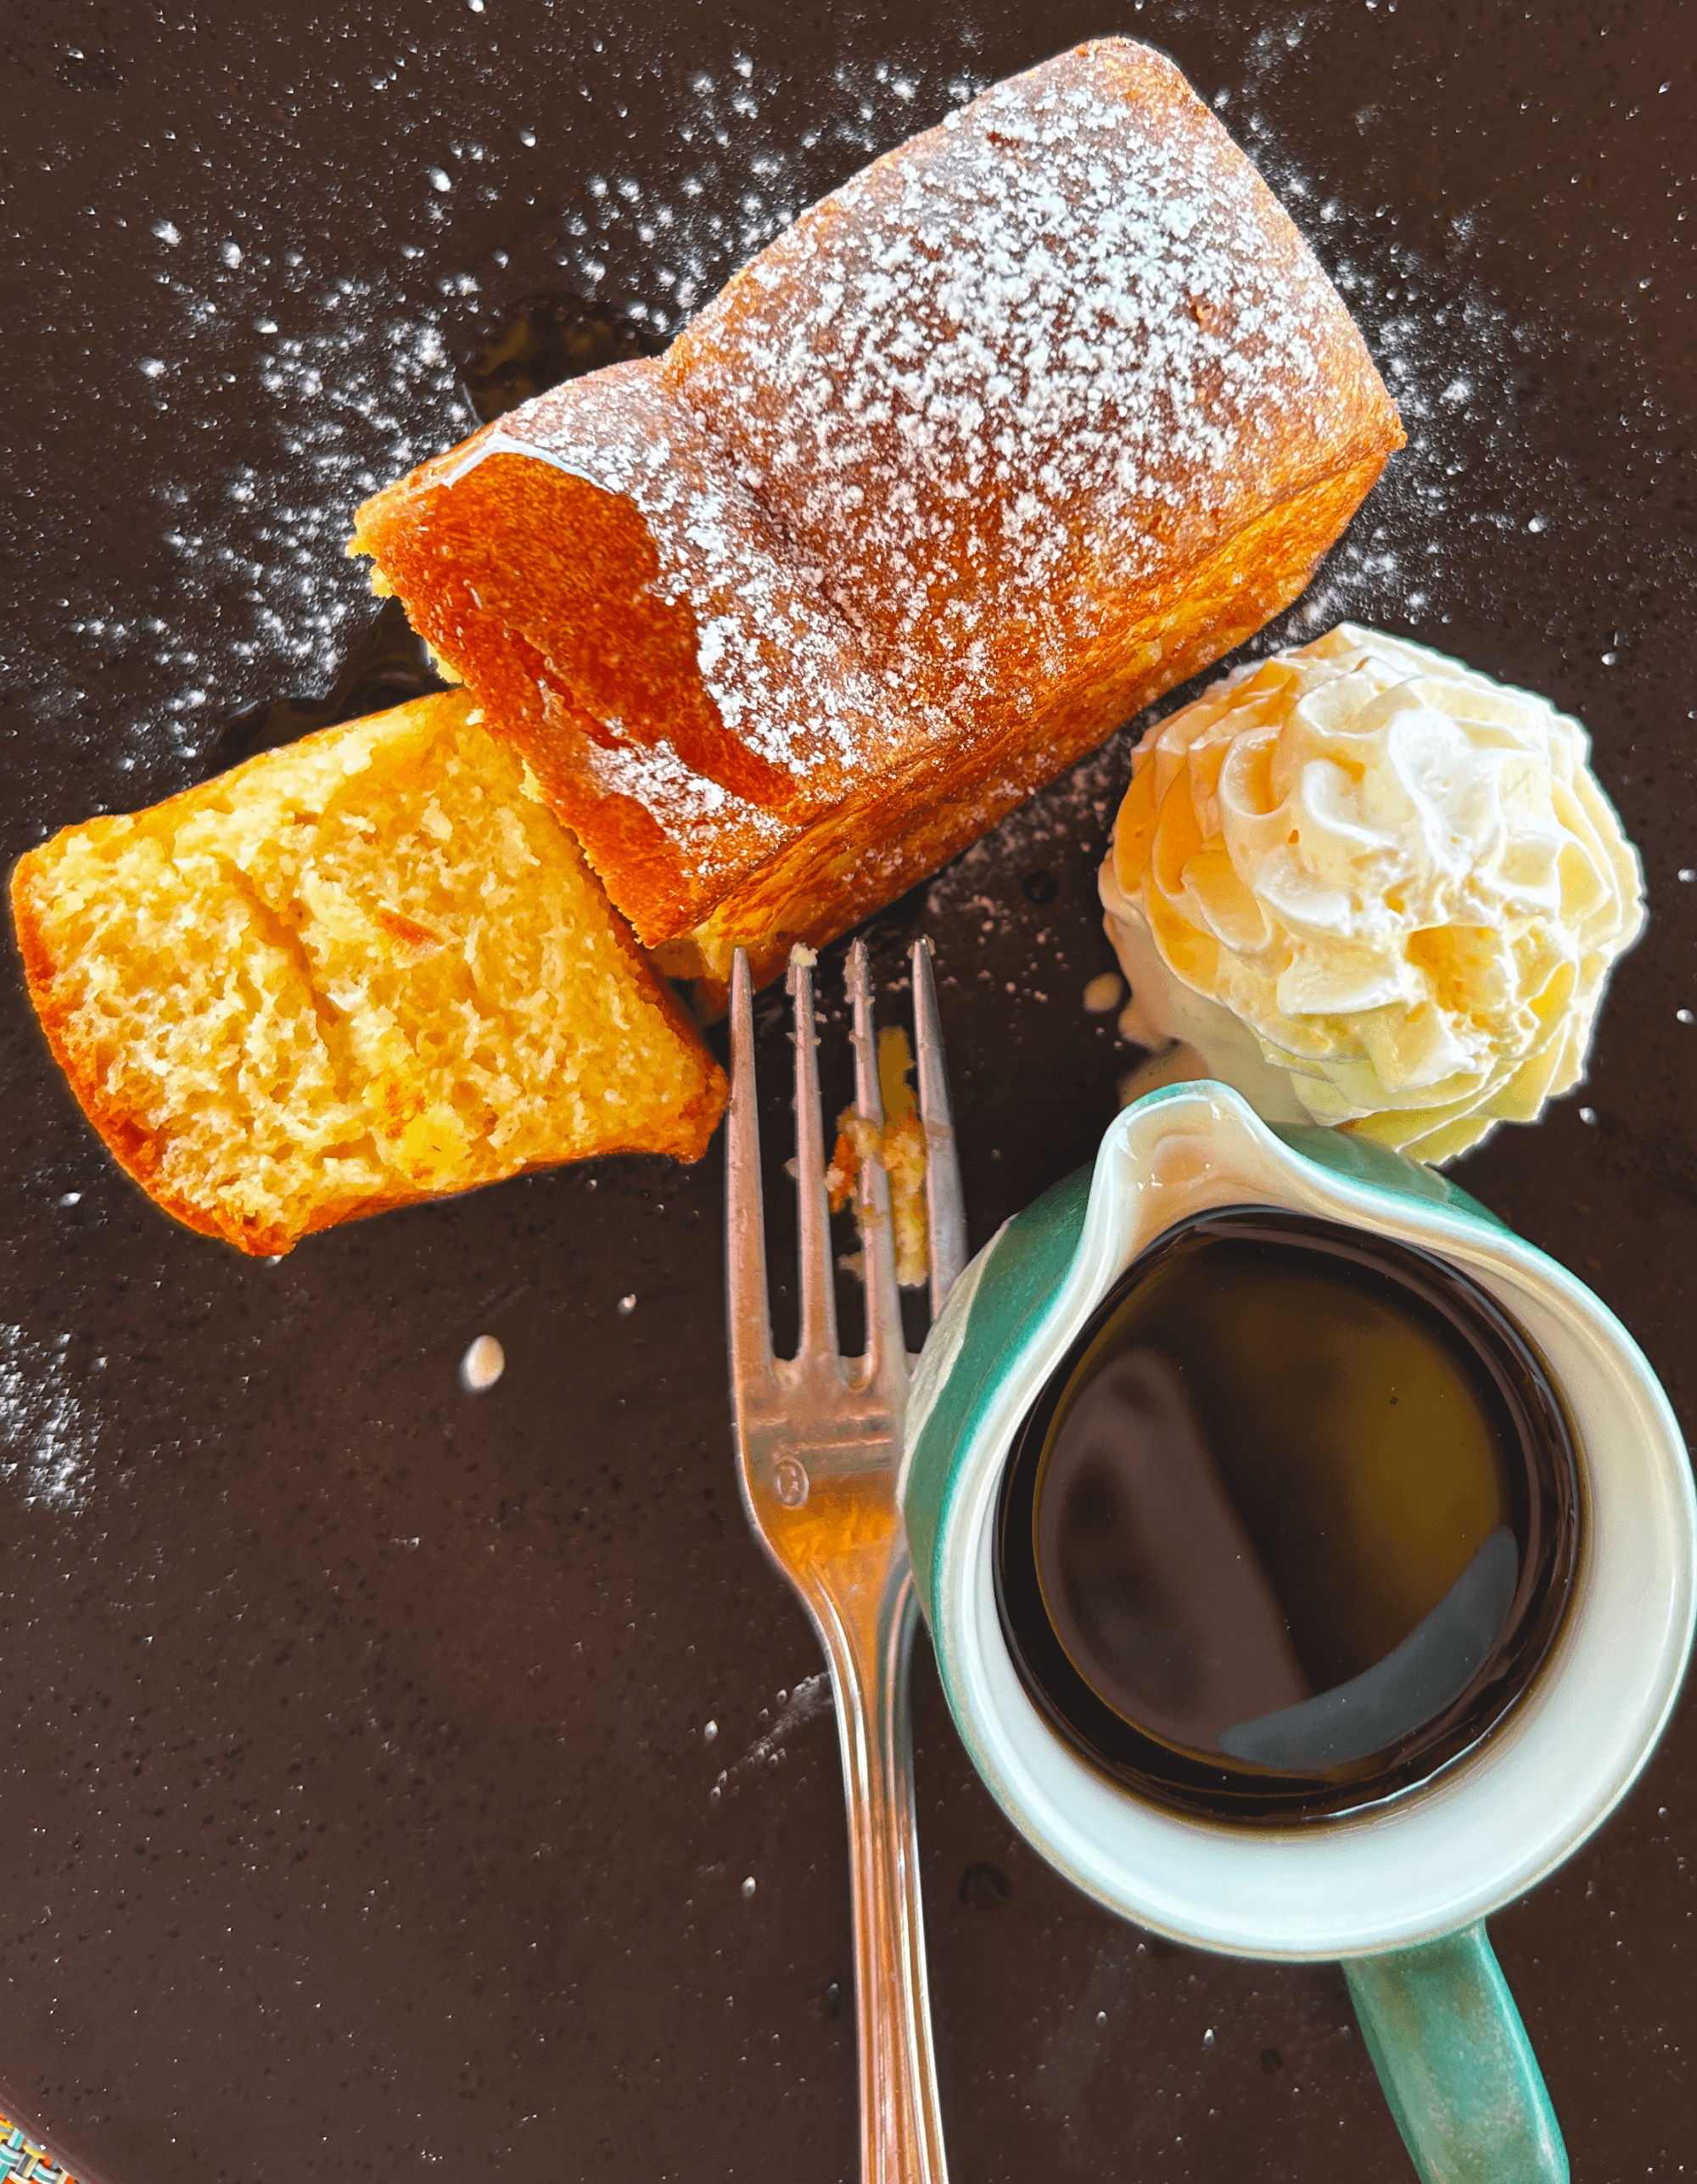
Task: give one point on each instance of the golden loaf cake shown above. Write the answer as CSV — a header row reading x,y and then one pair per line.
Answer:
x,y
1033,419
362,971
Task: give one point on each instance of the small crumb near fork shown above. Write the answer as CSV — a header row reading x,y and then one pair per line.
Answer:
x,y
483,1365
900,1149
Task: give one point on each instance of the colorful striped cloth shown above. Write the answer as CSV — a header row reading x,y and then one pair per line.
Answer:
x,y
20,2162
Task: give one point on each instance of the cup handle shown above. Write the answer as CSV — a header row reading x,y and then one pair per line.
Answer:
x,y
1455,2063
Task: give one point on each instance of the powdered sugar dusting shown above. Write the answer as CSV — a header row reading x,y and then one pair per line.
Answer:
x,y
678,797
278,356
46,1432
771,652
1024,362
906,471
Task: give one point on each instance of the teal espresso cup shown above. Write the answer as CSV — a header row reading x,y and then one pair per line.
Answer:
x,y
1396,1888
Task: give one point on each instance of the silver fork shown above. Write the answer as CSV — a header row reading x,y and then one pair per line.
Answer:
x,y
818,1439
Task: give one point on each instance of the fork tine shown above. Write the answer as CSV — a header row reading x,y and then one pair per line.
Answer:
x,y
945,1207
818,1288
745,1232
886,1344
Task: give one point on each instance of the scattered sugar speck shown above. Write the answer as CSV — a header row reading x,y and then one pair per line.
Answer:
x,y
1103,993
627,1305
47,1435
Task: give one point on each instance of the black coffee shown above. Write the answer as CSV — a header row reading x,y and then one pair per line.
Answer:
x,y
1292,1525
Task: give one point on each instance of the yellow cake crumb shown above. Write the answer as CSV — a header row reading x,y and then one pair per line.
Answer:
x,y
360,970
899,1149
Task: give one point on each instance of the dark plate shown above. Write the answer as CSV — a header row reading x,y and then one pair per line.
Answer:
x,y
359,1818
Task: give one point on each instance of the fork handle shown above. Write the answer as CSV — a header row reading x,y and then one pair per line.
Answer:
x,y
870,1656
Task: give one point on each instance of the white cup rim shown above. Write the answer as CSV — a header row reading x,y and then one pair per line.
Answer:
x,y
1493,1824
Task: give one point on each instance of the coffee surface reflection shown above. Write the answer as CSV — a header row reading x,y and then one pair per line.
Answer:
x,y
1292,1526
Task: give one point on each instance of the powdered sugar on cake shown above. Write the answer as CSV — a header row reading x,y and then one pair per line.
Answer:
x,y
903,470
770,649
674,794
997,375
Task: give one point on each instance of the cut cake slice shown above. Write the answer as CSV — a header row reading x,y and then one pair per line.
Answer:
x,y
1038,416
366,969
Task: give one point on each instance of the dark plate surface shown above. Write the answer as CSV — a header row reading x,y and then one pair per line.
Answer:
x,y
357,1813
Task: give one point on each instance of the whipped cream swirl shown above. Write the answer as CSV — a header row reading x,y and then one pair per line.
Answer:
x,y
1372,887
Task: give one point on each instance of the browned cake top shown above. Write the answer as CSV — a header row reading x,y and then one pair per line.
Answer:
x,y
1025,359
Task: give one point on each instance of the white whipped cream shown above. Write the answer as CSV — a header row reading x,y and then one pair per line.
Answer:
x,y
1371,886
